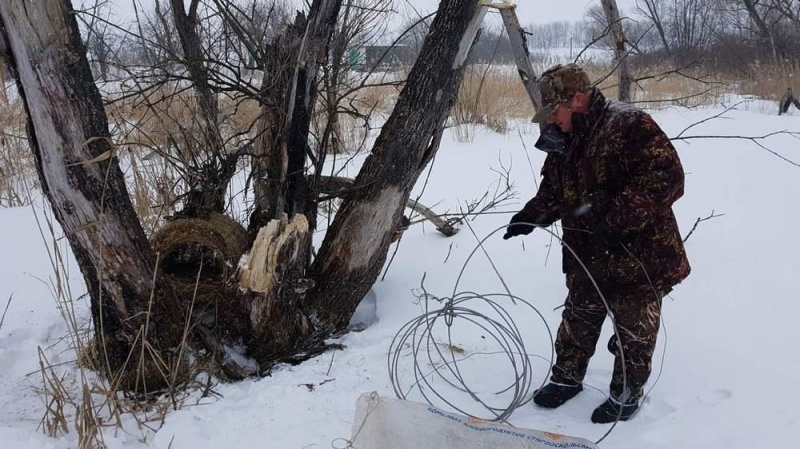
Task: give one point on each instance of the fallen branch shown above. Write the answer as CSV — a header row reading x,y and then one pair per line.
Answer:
x,y
337,186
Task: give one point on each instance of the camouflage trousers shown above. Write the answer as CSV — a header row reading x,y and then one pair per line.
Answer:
x,y
638,316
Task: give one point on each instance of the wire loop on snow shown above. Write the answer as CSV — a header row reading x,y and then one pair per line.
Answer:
x,y
445,358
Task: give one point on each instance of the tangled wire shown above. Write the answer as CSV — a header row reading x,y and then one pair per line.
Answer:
x,y
418,335
417,338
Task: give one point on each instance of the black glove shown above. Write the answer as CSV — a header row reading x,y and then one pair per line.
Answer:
x,y
514,230
609,239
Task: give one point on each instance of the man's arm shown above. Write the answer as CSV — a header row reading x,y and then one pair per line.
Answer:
x,y
544,208
656,181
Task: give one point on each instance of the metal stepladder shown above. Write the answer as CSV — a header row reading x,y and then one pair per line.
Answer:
x,y
516,36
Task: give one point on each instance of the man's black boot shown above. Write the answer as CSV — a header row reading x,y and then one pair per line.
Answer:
x,y
611,410
555,395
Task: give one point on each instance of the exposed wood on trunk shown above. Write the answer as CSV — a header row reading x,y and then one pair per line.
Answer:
x,y
337,186
356,245
620,54
80,176
272,280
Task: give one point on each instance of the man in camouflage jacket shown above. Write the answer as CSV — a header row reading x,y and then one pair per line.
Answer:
x,y
612,184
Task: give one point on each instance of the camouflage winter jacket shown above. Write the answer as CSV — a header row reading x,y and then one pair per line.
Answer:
x,y
620,171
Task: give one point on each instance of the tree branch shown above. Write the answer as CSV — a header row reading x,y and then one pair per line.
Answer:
x,y
700,220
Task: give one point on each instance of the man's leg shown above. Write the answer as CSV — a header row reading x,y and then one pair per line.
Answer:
x,y
581,323
577,336
638,318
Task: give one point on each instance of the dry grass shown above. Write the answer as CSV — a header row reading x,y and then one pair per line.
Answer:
x,y
160,131
491,95
350,133
17,165
375,98
71,396
164,121
75,396
770,81
660,87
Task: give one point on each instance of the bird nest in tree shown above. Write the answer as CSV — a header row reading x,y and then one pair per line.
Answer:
x,y
199,255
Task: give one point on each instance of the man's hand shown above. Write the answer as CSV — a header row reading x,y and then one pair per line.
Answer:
x,y
516,226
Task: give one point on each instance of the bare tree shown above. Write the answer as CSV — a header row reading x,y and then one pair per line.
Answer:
x,y
133,309
355,247
694,23
789,9
283,308
99,38
655,10
284,144
761,25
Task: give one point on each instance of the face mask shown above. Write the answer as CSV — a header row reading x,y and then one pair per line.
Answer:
x,y
552,140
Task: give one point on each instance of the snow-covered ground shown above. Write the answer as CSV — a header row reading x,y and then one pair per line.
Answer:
x,y
726,362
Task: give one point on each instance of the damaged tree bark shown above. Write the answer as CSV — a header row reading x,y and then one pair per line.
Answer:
x,y
272,280
270,161
316,303
284,151
133,310
357,243
337,187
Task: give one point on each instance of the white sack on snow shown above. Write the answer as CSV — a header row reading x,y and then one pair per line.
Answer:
x,y
386,423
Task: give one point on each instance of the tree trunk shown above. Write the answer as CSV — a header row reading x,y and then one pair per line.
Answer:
x,y
653,13
209,182
620,55
356,245
270,159
313,55
282,146
750,6
286,310
272,282
79,174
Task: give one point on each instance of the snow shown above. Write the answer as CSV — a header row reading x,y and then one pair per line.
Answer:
x,y
725,364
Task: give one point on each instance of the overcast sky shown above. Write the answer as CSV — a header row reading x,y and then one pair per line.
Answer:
x,y
532,11
528,11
